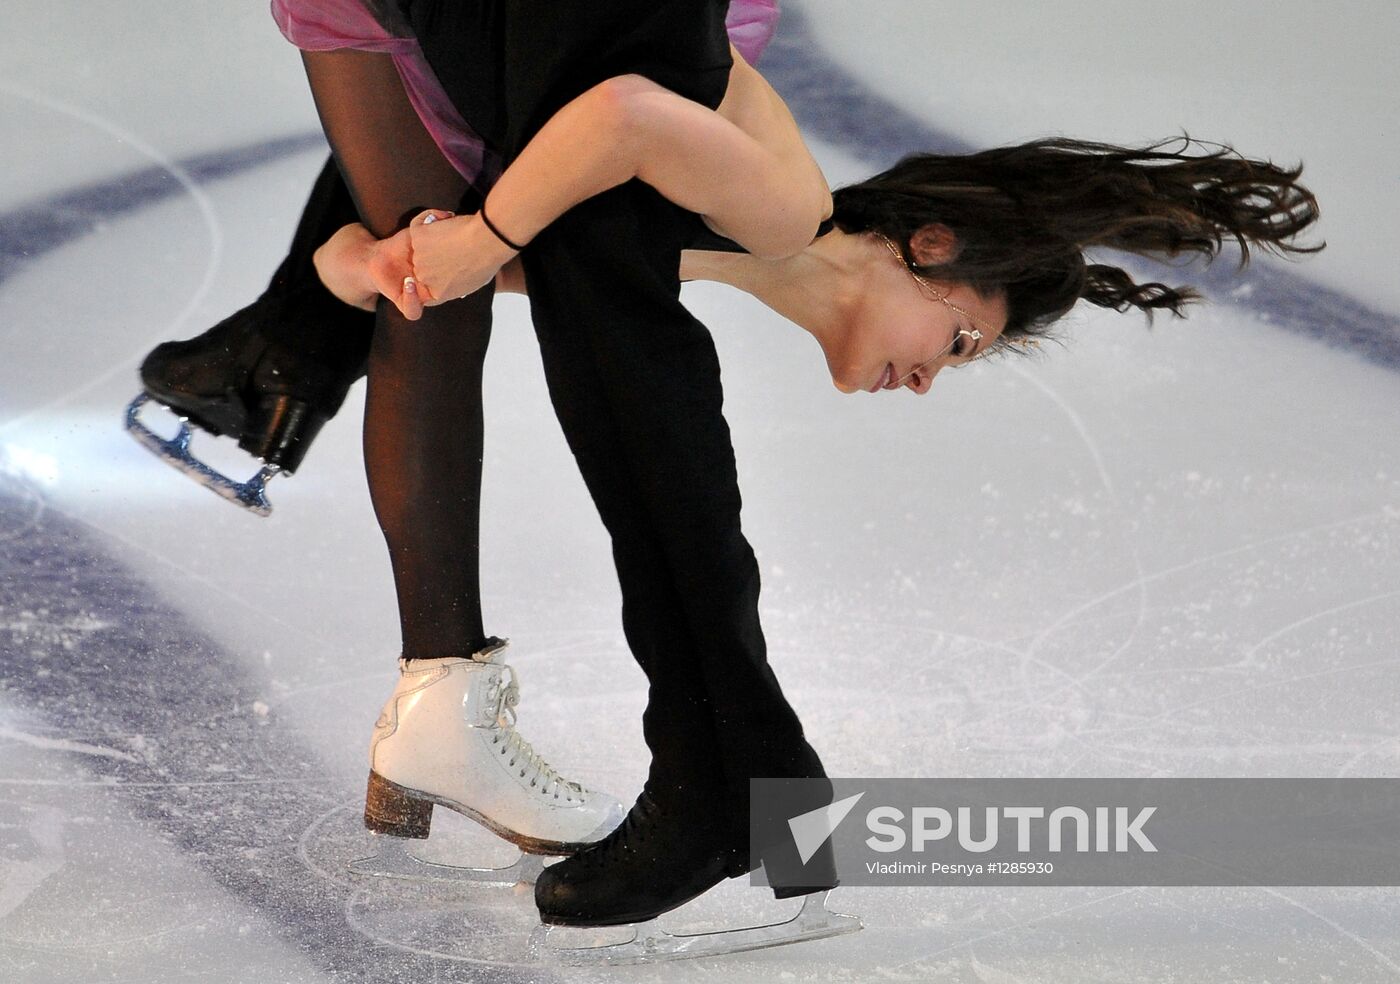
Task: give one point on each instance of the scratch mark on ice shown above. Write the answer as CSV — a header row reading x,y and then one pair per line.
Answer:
x,y
66,745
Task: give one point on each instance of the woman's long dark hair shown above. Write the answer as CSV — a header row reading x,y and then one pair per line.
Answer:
x,y
1024,216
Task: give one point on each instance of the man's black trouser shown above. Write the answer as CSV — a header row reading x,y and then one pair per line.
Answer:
x,y
635,382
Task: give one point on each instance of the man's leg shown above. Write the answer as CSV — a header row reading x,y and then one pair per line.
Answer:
x,y
635,382
271,374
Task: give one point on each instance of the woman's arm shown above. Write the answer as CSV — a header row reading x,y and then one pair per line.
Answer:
x,y
744,167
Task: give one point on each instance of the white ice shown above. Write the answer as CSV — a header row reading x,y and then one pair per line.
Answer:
x,y
1172,552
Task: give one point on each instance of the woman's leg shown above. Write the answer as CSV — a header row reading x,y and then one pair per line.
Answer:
x,y
635,382
423,417
423,434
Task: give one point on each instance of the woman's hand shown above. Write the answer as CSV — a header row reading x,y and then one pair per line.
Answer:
x,y
357,268
438,258
451,257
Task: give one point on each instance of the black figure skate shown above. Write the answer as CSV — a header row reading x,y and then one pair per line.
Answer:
x,y
661,857
270,375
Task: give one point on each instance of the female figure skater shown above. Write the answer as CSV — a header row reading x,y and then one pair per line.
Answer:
x,y
976,251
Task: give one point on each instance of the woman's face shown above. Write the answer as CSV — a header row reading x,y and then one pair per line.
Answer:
x,y
905,329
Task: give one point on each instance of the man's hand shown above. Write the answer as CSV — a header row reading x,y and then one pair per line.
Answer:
x,y
342,265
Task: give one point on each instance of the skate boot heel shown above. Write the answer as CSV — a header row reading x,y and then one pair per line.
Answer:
x,y
391,809
790,877
793,891
281,431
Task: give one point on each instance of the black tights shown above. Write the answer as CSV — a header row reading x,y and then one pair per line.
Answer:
x,y
423,417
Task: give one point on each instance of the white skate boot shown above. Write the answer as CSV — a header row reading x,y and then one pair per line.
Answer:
x,y
447,736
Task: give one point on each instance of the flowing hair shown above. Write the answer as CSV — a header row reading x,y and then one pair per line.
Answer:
x,y
1022,218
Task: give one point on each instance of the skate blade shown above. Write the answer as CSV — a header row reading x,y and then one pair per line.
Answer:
x,y
393,860
175,451
649,943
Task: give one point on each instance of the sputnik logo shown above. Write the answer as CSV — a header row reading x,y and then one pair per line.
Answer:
x,y
811,830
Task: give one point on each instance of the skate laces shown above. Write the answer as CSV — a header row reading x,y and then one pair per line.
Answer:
x,y
517,751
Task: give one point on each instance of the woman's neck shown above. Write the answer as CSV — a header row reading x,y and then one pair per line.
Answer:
x,y
818,290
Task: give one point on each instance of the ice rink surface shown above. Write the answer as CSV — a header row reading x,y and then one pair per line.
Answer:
x,y
1165,552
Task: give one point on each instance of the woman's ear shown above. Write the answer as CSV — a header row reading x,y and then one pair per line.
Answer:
x,y
933,245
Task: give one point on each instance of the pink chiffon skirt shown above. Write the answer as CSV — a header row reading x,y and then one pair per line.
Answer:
x,y
326,25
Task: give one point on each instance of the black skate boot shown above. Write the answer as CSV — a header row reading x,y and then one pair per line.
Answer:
x,y
270,375
654,861
662,856
658,859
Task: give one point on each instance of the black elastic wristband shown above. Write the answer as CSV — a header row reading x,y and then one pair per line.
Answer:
x,y
498,233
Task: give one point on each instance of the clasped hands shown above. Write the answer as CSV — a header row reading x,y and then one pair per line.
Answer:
x,y
438,258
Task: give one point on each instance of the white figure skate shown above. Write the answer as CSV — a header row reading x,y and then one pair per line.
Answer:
x,y
447,737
